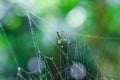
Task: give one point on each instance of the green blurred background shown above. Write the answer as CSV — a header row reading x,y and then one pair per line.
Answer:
x,y
98,21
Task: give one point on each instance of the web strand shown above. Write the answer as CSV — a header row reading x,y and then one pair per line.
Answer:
x,y
9,45
41,55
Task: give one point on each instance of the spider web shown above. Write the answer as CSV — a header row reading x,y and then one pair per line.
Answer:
x,y
75,53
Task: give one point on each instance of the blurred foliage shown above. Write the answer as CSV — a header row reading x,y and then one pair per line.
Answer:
x,y
102,19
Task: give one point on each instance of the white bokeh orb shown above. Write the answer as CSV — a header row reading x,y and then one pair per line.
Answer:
x,y
36,65
78,71
26,4
76,17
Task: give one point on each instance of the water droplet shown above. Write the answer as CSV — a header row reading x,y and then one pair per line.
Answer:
x,y
59,41
61,46
19,68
